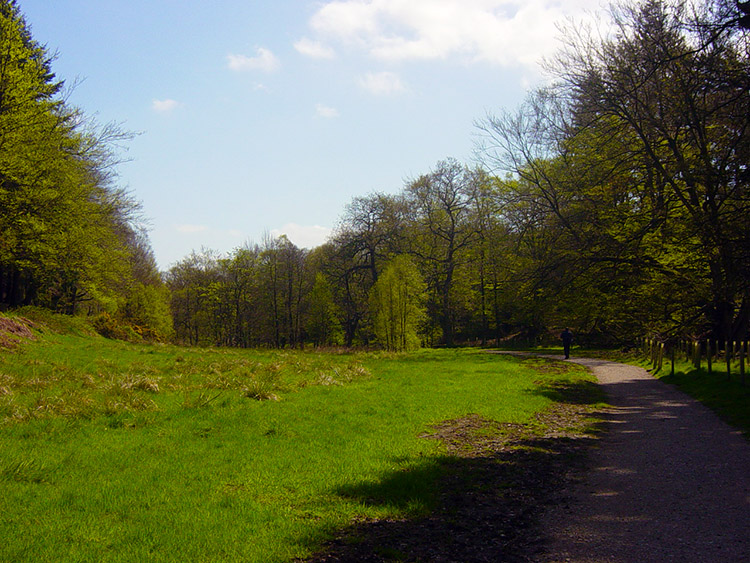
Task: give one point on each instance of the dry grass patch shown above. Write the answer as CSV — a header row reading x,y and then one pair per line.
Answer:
x,y
15,330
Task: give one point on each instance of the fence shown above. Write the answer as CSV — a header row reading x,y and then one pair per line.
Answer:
x,y
729,354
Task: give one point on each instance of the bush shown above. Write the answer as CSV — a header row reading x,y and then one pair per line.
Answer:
x,y
111,328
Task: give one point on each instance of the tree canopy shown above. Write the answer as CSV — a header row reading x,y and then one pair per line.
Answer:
x,y
69,236
635,164
614,201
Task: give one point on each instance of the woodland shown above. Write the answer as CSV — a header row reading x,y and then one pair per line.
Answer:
x,y
614,201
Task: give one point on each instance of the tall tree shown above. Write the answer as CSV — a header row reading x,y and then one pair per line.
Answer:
x,y
682,93
323,326
637,161
444,227
64,225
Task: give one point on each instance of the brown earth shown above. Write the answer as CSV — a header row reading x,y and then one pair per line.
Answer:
x,y
666,480
498,481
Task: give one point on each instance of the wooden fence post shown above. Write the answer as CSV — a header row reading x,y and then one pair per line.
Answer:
x,y
728,355
651,352
697,354
661,356
671,355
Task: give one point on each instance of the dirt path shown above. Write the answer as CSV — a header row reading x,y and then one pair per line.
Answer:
x,y
668,482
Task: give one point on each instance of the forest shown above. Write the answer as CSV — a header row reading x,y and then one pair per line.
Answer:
x,y
615,201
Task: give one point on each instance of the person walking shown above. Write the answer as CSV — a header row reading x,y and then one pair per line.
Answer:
x,y
567,338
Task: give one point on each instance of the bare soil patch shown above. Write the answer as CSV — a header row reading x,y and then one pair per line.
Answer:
x,y
498,481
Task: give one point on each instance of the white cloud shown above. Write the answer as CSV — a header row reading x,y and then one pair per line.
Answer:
x,y
165,106
382,83
505,32
303,236
190,229
325,111
264,61
314,49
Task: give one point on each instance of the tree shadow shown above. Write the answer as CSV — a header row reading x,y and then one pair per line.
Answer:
x,y
572,393
485,497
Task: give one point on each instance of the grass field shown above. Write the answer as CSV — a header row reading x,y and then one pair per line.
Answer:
x,y
120,452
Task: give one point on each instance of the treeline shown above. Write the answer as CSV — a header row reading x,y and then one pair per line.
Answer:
x,y
617,205
614,201
422,266
630,193
70,238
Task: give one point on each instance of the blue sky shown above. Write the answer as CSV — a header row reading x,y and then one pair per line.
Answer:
x,y
261,117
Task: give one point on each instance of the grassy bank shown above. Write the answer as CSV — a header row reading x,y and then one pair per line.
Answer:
x,y
117,452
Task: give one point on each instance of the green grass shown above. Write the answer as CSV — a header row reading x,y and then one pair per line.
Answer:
x,y
118,452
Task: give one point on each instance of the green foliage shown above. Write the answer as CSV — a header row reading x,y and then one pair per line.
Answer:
x,y
256,297
397,301
65,228
323,325
629,190
147,307
110,327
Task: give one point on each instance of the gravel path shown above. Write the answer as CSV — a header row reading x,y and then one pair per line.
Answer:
x,y
668,481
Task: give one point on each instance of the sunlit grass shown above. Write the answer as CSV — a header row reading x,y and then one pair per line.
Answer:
x,y
117,452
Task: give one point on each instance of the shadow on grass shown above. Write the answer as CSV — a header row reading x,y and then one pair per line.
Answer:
x,y
579,393
484,499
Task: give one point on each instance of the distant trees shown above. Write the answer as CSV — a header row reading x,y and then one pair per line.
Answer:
x,y
444,225
400,270
323,318
258,296
614,201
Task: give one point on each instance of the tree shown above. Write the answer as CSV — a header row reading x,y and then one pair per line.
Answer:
x,y
146,298
682,93
284,281
323,326
372,230
193,283
397,301
242,294
636,161
444,226
64,225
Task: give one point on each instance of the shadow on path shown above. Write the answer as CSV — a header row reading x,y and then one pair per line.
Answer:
x,y
669,481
